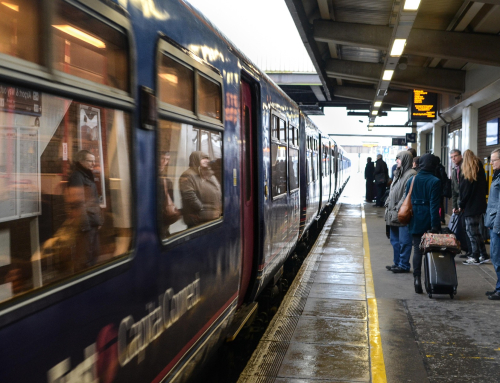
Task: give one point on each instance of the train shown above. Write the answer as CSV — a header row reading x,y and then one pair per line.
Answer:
x,y
207,179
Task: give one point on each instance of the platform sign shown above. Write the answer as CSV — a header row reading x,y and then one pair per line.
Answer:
x,y
398,141
411,138
423,106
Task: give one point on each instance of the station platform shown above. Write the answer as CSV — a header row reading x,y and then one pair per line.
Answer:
x,y
347,319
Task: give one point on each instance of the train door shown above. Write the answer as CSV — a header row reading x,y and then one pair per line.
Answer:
x,y
247,187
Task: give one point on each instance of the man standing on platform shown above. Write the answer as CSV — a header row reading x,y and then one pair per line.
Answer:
x,y
492,221
369,170
381,177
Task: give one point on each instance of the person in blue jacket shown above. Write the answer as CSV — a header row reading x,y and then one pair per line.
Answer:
x,y
492,221
425,200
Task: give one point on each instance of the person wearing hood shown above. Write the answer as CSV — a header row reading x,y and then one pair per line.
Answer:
x,y
425,200
92,218
200,191
401,240
492,222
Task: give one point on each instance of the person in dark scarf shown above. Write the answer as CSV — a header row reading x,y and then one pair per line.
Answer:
x,y
200,191
425,200
492,221
399,234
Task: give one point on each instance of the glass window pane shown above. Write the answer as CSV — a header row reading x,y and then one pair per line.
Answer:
x,y
209,98
88,48
20,29
278,169
67,207
314,166
216,158
204,143
176,84
189,191
274,127
282,134
293,168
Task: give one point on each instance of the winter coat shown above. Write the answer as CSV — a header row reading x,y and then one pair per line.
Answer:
x,y
381,168
200,191
397,191
492,216
83,177
369,170
473,194
455,185
425,197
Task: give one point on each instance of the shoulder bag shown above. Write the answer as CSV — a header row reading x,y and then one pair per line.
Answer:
x,y
405,212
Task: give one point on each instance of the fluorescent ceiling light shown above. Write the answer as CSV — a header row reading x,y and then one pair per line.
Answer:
x,y
374,112
11,6
400,109
371,123
370,128
411,5
397,47
387,75
80,35
377,104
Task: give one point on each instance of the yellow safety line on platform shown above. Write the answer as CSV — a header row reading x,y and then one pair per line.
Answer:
x,y
376,353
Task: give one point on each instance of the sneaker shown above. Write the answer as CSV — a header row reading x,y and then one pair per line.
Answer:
x,y
488,293
495,296
484,259
398,269
390,267
471,261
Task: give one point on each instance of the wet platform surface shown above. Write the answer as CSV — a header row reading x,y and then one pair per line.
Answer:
x,y
321,332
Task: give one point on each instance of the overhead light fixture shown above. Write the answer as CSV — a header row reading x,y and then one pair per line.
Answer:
x,y
411,5
374,112
377,104
403,63
399,109
80,35
14,7
388,75
397,47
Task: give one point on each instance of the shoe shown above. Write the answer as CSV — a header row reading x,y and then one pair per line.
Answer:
x,y
390,267
495,296
488,293
418,285
484,260
398,269
471,261
466,255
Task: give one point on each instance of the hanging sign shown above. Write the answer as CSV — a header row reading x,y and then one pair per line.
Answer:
x,y
423,106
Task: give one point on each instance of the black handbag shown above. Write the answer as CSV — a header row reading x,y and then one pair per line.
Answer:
x,y
380,178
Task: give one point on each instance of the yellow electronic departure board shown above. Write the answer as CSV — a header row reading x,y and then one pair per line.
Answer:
x,y
423,105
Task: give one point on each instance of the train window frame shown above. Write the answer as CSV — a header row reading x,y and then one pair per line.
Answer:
x,y
168,112
280,141
43,78
293,144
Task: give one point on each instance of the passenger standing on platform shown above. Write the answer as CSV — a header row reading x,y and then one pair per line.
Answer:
x,y
456,176
393,170
472,205
492,221
413,152
369,170
443,177
425,199
381,177
415,163
400,236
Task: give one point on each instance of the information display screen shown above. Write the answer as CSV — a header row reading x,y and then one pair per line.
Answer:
x,y
423,106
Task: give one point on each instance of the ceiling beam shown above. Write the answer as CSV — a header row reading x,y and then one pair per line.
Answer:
x,y
468,47
432,79
393,97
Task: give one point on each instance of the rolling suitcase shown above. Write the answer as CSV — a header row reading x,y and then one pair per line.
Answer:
x,y
440,273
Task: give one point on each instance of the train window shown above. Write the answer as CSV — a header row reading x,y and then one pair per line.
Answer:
x,y
176,84
190,171
314,166
293,136
209,98
20,29
275,123
282,134
65,186
88,48
278,169
293,168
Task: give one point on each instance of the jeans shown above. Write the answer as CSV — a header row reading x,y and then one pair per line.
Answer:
x,y
417,255
401,244
473,228
495,255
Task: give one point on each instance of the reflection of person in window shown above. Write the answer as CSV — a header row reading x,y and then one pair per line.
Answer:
x,y
170,214
200,191
92,218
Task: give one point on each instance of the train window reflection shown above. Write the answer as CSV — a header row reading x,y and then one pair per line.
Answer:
x,y
189,177
209,98
20,29
88,48
65,184
176,84
293,168
279,169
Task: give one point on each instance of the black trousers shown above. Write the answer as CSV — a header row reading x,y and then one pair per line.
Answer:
x,y
380,193
369,190
417,255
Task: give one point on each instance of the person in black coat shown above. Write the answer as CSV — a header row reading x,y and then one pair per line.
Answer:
x,y
472,205
381,176
369,170
92,218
